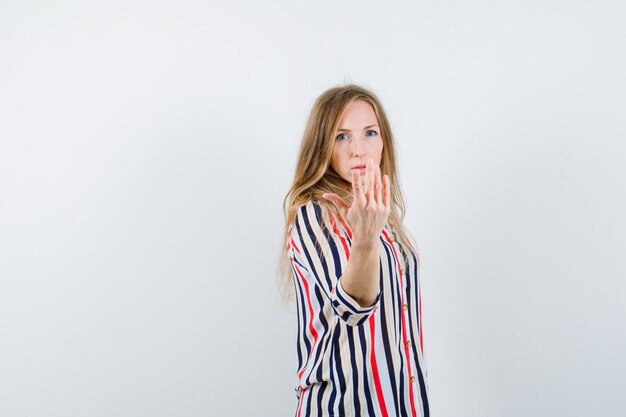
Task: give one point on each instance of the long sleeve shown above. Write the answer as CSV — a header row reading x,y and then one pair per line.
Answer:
x,y
319,251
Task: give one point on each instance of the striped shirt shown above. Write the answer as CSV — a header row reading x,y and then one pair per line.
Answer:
x,y
353,360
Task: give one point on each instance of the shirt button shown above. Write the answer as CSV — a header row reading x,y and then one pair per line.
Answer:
x,y
412,379
405,307
408,343
392,237
401,271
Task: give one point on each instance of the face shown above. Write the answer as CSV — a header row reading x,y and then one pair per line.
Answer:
x,y
357,139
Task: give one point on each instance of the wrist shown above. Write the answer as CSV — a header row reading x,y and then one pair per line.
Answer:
x,y
365,246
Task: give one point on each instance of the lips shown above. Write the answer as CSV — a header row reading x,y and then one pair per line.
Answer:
x,y
359,166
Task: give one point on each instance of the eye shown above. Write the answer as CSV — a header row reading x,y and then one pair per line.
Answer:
x,y
372,132
341,136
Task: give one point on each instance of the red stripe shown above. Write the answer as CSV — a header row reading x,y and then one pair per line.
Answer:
x,y
309,305
345,226
406,347
346,249
294,245
379,390
300,402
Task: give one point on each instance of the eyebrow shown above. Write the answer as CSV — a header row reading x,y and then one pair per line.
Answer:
x,y
348,130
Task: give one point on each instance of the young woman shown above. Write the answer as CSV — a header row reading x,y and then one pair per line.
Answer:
x,y
351,266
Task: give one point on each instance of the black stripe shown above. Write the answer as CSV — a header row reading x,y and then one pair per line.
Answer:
x,y
423,393
417,289
405,412
323,334
387,342
311,234
329,239
355,374
415,343
325,343
346,302
309,410
322,388
395,290
367,390
363,320
302,303
338,365
333,391
297,262
299,306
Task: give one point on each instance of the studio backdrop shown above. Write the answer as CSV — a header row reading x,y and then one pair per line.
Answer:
x,y
146,148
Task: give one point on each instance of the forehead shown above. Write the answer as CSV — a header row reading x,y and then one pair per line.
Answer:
x,y
358,113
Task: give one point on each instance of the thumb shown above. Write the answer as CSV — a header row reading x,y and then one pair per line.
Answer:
x,y
337,201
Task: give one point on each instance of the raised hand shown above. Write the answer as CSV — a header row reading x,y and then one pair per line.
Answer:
x,y
371,205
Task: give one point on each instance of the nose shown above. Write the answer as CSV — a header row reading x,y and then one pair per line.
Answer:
x,y
356,147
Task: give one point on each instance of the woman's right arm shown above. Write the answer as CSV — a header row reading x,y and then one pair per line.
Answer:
x,y
317,254
367,217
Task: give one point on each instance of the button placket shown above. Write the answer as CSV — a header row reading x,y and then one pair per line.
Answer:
x,y
405,309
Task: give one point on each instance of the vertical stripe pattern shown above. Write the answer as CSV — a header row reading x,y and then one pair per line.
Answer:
x,y
353,360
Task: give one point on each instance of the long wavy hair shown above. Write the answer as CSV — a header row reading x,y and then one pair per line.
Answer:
x,y
314,176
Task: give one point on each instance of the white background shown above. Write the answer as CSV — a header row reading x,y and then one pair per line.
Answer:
x,y
145,148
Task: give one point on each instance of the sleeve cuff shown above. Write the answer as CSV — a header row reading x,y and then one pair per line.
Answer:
x,y
348,309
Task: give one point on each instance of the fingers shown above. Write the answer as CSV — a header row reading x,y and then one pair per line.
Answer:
x,y
371,205
378,187
387,192
370,182
357,189
367,178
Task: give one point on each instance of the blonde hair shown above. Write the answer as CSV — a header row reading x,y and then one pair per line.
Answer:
x,y
314,176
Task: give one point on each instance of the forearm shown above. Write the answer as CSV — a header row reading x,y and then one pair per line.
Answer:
x,y
367,216
361,276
